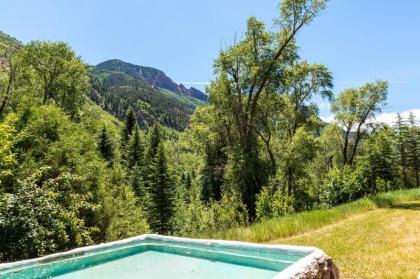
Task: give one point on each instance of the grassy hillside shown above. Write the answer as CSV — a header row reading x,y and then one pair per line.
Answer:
x,y
376,237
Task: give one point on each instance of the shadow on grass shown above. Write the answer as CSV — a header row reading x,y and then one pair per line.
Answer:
x,y
407,205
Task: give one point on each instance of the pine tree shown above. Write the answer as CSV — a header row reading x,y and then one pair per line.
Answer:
x,y
135,150
213,172
155,139
188,182
105,146
413,148
130,123
401,130
162,193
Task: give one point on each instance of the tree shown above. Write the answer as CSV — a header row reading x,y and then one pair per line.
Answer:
x,y
59,74
413,148
135,150
105,146
245,91
354,108
155,140
162,193
382,171
213,172
401,131
302,83
7,155
137,184
130,123
8,82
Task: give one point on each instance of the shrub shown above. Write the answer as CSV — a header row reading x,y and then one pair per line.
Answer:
x,y
271,203
341,186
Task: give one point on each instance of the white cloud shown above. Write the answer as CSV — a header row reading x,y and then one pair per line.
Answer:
x,y
388,117
328,118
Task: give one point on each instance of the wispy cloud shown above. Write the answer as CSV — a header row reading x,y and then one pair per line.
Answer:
x,y
194,82
351,83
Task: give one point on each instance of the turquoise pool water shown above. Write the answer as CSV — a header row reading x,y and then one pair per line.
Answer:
x,y
158,265
154,258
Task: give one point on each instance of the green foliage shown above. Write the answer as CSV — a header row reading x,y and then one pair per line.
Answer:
x,y
126,217
116,92
194,217
7,156
342,186
413,149
130,123
272,203
354,107
58,73
105,146
381,168
251,78
44,216
135,151
161,187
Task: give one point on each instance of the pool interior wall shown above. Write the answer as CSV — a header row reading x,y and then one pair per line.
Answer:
x,y
152,256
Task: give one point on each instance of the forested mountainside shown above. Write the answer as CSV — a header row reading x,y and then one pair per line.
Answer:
x,y
153,77
116,91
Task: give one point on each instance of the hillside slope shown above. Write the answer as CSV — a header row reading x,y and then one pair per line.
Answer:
x,y
153,77
7,41
115,92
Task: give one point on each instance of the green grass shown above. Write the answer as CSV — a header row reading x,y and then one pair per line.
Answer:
x,y
375,237
302,222
382,243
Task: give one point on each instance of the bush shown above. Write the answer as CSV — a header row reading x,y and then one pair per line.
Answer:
x,y
342,186
42,218
271,203
193,216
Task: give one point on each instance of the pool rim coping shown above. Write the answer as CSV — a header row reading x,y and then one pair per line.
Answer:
x,y
289,272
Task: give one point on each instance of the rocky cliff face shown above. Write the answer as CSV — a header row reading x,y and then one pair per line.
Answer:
x,y
152,77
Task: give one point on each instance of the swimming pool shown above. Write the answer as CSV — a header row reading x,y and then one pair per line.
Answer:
x,y
155,256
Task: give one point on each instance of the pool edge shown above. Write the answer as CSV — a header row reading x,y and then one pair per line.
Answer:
x,y
313,263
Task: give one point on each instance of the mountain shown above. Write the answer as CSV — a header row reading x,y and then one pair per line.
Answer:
x,y
7,42
116,91
153,77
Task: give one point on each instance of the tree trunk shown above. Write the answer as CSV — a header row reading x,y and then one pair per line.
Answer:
x,y
345,147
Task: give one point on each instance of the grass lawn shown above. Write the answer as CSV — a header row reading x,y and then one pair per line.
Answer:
x,y
376,237
383,243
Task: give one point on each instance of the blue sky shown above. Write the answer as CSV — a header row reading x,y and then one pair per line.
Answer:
x,y
358,40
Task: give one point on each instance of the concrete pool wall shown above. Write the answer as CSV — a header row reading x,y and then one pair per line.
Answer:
x,y
313,263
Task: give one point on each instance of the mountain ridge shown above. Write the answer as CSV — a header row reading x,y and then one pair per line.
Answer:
x,y
153,77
